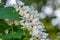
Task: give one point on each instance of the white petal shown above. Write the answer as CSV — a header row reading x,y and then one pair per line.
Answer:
x,y
47,10
54,22
57,13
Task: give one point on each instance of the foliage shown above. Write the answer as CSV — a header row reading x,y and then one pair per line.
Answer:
x,y
14,31
8,13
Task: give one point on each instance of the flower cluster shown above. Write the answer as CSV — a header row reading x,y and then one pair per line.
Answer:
x,y
31,22
52,9
30,19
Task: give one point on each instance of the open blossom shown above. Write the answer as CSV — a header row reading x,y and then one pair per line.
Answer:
x,y
30,20
32,23
48,10
55,21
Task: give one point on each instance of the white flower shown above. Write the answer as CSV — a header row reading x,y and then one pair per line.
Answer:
x,y
54,22
40,27
42,15
22,22
0,1
57,2
26,8
35,31
47,10
43,39
11,2
16,7
35,21
43,35
30,19
6,31
20,3
57,13
6,19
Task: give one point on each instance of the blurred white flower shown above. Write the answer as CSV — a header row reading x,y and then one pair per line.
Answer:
x,y
34,21
6,19
43,35
0,1
22,22
57,13
11,2
35,31
57,2
54,22
6,31
48,10
27,8
20,3
42,15
40,28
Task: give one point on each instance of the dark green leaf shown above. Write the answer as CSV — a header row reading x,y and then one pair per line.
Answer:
x,y
3,26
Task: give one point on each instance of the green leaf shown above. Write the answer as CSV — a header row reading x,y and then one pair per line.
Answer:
x,y
17,34
3,26
8,13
